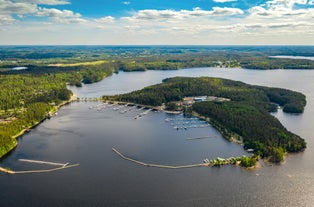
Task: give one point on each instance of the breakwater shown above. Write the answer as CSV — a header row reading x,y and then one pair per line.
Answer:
x,y
157,165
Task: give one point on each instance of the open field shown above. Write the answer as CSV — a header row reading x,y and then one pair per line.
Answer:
x,y
98,62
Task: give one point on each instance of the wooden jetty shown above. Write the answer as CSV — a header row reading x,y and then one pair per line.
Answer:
x,y
43,162
61,166
156,165
143,114
46,171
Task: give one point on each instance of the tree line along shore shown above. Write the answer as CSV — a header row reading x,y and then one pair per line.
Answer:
x,y
246,115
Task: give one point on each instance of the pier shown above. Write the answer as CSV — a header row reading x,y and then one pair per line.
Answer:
x,y
143,113
45,171
156,165
61,166
43,162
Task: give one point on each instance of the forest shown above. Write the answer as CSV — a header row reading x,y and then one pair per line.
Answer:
x,y
141,58
246,115
27,96
24,101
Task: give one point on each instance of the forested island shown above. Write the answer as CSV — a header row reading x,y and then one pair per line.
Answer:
x,y
246,116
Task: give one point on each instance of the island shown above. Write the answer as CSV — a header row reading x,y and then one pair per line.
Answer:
x,y
241,112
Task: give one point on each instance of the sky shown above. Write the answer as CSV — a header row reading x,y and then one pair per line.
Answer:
x,y
157,22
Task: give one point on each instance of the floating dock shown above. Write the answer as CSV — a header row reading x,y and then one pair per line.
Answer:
x,y
61,166
156,165
44,162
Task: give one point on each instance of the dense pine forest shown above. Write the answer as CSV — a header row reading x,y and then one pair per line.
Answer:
x,y
24,101
27,96
246,115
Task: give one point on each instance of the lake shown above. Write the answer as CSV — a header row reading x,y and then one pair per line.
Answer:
x,y
292,57
82,133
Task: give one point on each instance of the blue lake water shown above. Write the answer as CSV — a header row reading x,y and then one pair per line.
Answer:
x,y
82,134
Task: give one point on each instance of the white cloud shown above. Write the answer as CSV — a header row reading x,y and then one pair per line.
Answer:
x,y
294,25
126,2
107,19
275,21
218,11
168,15
57,13
44,2
224,1
8,7
6,19
61,16
285,3
282,9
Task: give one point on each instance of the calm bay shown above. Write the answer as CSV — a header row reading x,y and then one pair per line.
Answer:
x,y
82,134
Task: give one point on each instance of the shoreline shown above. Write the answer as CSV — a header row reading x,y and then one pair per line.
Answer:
x,y
195,114
27,129
212,163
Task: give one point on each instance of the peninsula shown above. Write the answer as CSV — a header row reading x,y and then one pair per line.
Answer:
x,y
245,116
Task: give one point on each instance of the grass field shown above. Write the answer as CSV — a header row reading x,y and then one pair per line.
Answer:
x,y
98,62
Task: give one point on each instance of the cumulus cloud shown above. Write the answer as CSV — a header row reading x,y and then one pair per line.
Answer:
x,y
218,11
285,3
61,16
107,19
8,7
279,9
152,14
6,19
273,20
57,13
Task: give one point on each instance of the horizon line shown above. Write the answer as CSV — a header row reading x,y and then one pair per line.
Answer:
x,y
164,45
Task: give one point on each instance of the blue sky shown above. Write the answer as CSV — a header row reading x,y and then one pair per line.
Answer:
x,y
166,22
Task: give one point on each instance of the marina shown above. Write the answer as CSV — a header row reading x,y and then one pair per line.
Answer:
x,y
183,123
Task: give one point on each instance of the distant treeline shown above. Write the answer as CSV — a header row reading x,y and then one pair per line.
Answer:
x,y
73,75
140,58
247,114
